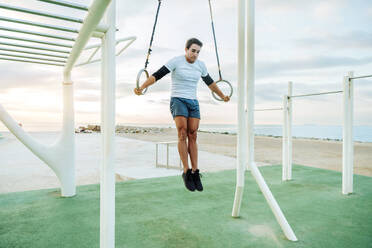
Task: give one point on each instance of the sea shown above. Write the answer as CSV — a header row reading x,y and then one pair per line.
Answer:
x,y
361,133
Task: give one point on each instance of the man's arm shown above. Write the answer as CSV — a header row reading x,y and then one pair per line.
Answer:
x,y
213,87
152,79
217,90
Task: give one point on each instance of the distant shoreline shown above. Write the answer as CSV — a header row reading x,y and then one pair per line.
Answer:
x,y
153,129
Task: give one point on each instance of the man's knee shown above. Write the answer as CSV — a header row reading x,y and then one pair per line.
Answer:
x,y
182,134
192,135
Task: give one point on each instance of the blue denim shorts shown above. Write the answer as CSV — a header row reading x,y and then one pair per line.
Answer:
x,y
184,107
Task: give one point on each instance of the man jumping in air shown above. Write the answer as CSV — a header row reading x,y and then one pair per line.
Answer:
x,y
184,106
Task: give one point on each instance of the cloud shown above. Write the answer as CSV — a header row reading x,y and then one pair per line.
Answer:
x,y
269,69
354,38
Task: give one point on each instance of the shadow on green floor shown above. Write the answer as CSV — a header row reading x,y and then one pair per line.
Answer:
x,y
161,213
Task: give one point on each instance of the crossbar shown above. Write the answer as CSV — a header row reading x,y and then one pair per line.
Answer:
x,y
37,48
66,4
34,41
31,57
39,13
316,94
34,53
366,76
36,33
71,30
29,61
270,109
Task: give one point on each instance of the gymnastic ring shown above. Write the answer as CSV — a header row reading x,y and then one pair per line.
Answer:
x,y
231,89
139,77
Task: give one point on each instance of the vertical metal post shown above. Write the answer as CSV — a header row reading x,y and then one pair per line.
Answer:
x,y
156,156
348,144
290,119
285,139
107,193
167,155
242,133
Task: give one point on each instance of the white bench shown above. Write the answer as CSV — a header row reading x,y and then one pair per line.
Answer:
x,y
167,165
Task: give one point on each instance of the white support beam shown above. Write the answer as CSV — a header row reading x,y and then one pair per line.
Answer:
x,y
107,187
242,132
348,143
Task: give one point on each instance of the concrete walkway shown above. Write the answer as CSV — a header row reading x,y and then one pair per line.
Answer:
x,y
21,170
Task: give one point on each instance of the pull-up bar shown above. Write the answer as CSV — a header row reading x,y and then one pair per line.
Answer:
x,y
269,109
34,41
30,61
31,57
34,53
66,4
39,13
317,94
37,48
7,19
366,76
36,33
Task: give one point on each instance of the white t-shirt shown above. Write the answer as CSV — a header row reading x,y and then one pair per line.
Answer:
x,y
185,76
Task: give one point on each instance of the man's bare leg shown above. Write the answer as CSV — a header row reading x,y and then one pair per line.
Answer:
x,y
181,124
192,130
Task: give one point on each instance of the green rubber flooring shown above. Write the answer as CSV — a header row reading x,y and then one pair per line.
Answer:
x,y
160,212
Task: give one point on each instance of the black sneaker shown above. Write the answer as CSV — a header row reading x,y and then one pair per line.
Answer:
x,y
196,177
188,180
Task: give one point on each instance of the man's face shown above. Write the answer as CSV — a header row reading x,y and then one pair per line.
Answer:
x,y
192,53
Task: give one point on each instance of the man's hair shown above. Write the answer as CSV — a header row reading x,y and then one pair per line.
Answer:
x,y
191,41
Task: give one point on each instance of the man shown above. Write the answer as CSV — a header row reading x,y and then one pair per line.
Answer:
x,y
184,106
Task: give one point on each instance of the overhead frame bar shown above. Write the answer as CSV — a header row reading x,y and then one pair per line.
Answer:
x,y
30,57
39,13
34,41
66,4
35,53
36,33
7,19
37,48
29,61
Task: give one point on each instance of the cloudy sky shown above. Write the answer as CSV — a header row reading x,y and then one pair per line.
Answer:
x,y
312,43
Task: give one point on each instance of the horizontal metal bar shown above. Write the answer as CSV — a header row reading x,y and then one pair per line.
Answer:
x,y
366,76
34,41
66,4
31,57
268,109
95,14
37,48
36,33
29,61
98,46
28,11
35,53
71,30
316,94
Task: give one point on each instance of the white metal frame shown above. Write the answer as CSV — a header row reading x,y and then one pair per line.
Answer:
x,y
167,165
347,143
60,157
246,117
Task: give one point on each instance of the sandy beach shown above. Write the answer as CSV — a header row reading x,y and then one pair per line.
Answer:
x,y
326,154
21,170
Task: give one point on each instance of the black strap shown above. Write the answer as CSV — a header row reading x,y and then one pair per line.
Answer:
x,y
152,36
215,42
